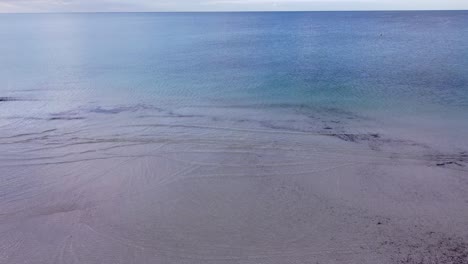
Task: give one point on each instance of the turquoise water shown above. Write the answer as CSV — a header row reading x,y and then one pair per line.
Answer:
x,y
407,61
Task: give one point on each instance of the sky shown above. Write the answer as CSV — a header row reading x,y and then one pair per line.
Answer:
x,y
13,6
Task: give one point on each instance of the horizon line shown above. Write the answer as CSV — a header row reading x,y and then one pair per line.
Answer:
x,y
239,11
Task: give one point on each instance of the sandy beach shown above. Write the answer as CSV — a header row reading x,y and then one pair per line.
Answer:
x,y
173,187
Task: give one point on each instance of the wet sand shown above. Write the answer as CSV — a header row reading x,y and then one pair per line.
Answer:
x,y
143,184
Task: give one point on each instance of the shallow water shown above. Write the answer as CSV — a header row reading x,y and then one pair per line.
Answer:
x,y
334,137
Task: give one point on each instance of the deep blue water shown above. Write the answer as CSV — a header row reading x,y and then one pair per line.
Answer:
x,y
410,61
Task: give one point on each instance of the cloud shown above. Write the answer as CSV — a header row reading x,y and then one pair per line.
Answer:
x,y
252,2
73,5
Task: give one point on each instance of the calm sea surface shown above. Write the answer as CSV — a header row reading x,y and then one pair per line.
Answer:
x,y
361,61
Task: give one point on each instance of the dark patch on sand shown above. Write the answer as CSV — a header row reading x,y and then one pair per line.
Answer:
x,y
432,248
356,137
8,99
459,159
448,163
66,118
